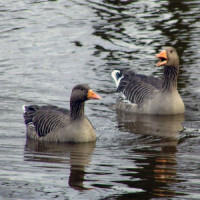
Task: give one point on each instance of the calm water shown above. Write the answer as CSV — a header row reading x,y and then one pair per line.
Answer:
x,y
49,46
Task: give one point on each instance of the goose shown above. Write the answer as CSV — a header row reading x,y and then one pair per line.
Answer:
x,y
147,94
53,124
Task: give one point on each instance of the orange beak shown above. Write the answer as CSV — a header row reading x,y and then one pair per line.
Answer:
x,y
163,58
92,95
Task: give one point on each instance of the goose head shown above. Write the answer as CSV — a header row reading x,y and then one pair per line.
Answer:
x,y
168,57
82,92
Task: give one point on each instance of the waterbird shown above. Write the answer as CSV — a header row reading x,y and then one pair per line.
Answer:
x,y
53,124
147,94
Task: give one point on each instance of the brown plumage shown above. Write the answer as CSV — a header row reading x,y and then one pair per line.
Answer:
x,y
150,95
54,124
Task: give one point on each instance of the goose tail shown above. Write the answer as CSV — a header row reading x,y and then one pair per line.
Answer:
x,y
29,112
24,108
117,76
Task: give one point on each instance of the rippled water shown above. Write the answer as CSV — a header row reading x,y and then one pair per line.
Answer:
x,y
49,46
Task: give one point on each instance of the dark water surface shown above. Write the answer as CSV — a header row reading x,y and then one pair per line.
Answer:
x,y
46,47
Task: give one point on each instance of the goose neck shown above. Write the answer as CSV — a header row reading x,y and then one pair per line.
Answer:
x,y
170,78
76,110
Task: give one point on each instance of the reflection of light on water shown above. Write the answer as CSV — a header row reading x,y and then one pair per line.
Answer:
x,y
163,171
159,163
53,153
162,126
39,63
127,190
163,193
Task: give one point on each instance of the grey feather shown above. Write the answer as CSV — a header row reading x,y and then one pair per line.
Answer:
x,y
45,118
136,87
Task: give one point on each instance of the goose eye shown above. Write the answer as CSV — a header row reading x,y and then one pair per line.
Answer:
x,y
171,51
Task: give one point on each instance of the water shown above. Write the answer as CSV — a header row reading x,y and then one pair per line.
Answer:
x,y
49,46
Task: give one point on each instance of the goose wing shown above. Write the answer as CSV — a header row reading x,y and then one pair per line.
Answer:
x,y
135,87
46,118
126,75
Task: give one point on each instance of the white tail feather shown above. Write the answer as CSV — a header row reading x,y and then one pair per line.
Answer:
x,y
24,108
116,79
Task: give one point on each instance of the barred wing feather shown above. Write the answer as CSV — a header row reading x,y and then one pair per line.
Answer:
x,y
46,121
128,75
136,87
137,91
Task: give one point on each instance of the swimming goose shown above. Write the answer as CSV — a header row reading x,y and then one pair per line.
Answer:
x,y
54,124
150,95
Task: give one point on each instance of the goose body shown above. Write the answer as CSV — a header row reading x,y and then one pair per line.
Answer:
x,y
150,95
54,124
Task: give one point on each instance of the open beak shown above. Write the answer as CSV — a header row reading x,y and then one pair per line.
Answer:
x,y
92,95
163,58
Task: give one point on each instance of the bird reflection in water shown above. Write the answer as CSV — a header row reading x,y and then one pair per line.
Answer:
x,y
153,149
78,155
163,126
